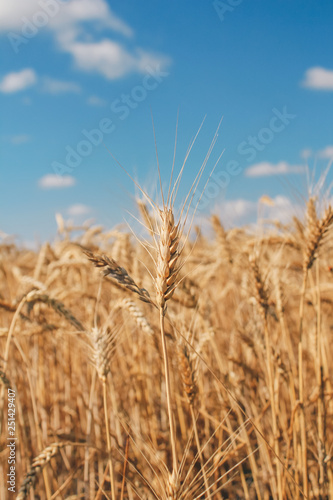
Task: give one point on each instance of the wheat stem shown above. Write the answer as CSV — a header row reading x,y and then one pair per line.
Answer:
x,y
168,395
321,387
108,440
301,389
197,441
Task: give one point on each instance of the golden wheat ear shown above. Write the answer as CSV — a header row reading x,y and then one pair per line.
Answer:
x,y
316,231
168,232
168,253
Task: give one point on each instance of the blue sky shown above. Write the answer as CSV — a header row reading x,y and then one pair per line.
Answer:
x,y
78,75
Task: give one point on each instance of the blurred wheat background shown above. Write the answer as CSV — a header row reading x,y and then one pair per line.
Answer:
x,y
249,340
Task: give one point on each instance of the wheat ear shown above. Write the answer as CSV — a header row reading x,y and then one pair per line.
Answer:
x,y
188,373
112,269
168,253
316,231
38,463
261,292
173,486
137,315
103,346
56,305
221,237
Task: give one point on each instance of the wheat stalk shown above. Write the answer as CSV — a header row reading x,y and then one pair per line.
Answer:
x,y
262,298
104,342
187,365
315,232
167,270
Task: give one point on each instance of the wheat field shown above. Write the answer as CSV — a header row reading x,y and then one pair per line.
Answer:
x,y
170,368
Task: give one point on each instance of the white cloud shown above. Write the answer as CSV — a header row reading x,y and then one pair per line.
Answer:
x,y
318,79
282,209
265,168
326,153
69,25
243,212
53,181
11,13
14,82
77,11
94,100
235,209
17,14
78,209
235,212
110,59
53,86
